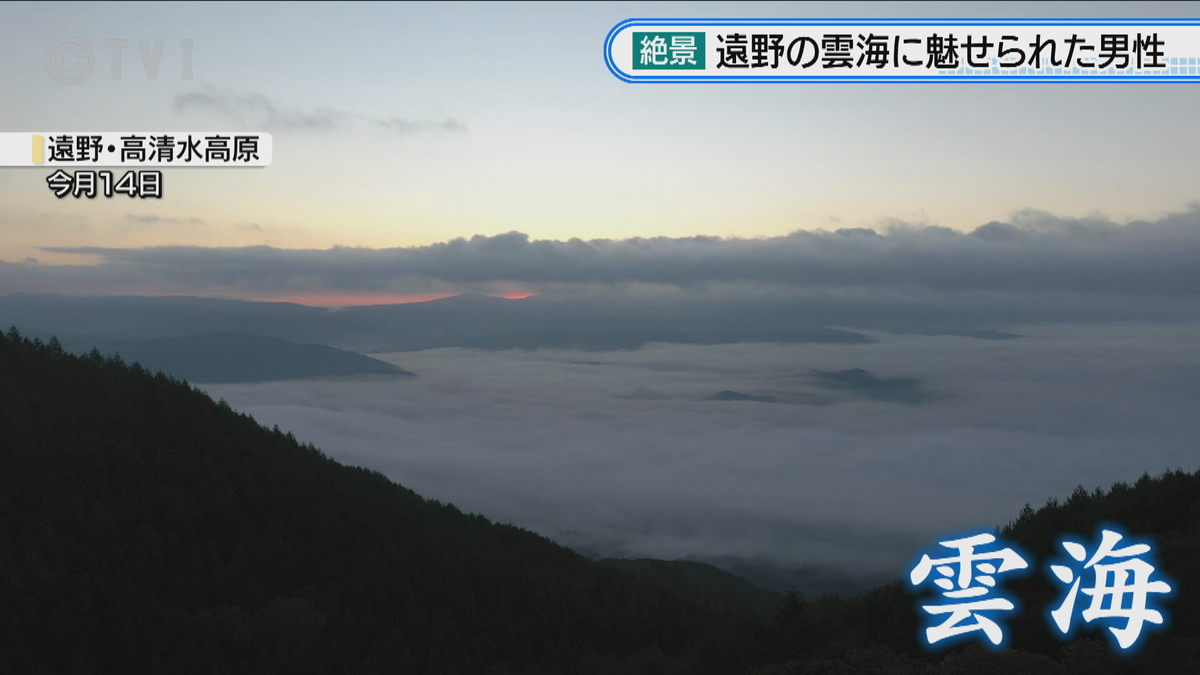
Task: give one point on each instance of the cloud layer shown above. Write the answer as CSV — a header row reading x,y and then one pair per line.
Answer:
x,y
1034,253
628,453
257,110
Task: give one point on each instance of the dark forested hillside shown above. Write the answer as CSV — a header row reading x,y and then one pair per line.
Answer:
x,y
877,632
145,528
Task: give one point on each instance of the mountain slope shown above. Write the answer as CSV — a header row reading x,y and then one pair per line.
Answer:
x,y
699,581
878,631
145,528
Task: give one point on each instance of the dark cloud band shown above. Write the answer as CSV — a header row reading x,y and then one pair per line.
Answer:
x,y
1034,252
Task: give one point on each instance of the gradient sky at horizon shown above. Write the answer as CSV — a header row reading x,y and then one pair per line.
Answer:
x,y
551,144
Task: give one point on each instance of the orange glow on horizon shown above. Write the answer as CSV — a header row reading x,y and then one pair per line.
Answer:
x,y
363,300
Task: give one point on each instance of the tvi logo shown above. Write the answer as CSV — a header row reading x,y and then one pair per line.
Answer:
x,y
84,59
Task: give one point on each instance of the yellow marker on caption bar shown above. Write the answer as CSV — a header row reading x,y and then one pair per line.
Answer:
x,y
37,149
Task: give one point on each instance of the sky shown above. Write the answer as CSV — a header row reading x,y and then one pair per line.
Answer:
x,y
406,125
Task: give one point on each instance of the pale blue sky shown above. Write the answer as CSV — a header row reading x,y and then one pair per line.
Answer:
x,y
555,146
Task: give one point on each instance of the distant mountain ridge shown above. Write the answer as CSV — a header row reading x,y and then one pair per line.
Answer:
x,y
485,322
235,357
731,395
468,321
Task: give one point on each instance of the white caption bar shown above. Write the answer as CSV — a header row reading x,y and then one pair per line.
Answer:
x,y
905,50
83,149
